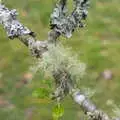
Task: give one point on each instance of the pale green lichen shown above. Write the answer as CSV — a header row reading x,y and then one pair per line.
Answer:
x,y
58,57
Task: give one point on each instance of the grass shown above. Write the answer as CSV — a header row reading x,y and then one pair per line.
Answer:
x,y
97,45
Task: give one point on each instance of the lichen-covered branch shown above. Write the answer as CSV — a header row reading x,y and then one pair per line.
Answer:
x,y
66,24
15,29
88,107
61,23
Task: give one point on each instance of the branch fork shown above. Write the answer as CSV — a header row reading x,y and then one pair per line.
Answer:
x,y
61,24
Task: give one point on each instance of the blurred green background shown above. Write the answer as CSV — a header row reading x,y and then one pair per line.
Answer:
x,y
98,45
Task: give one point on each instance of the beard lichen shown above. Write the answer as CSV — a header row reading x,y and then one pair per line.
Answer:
x,y
65,67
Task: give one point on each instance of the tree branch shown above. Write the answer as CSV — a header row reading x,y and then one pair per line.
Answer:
x,y
66,24
88,107
60,24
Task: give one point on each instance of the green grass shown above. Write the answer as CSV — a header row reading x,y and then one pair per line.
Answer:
x,y
97,45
